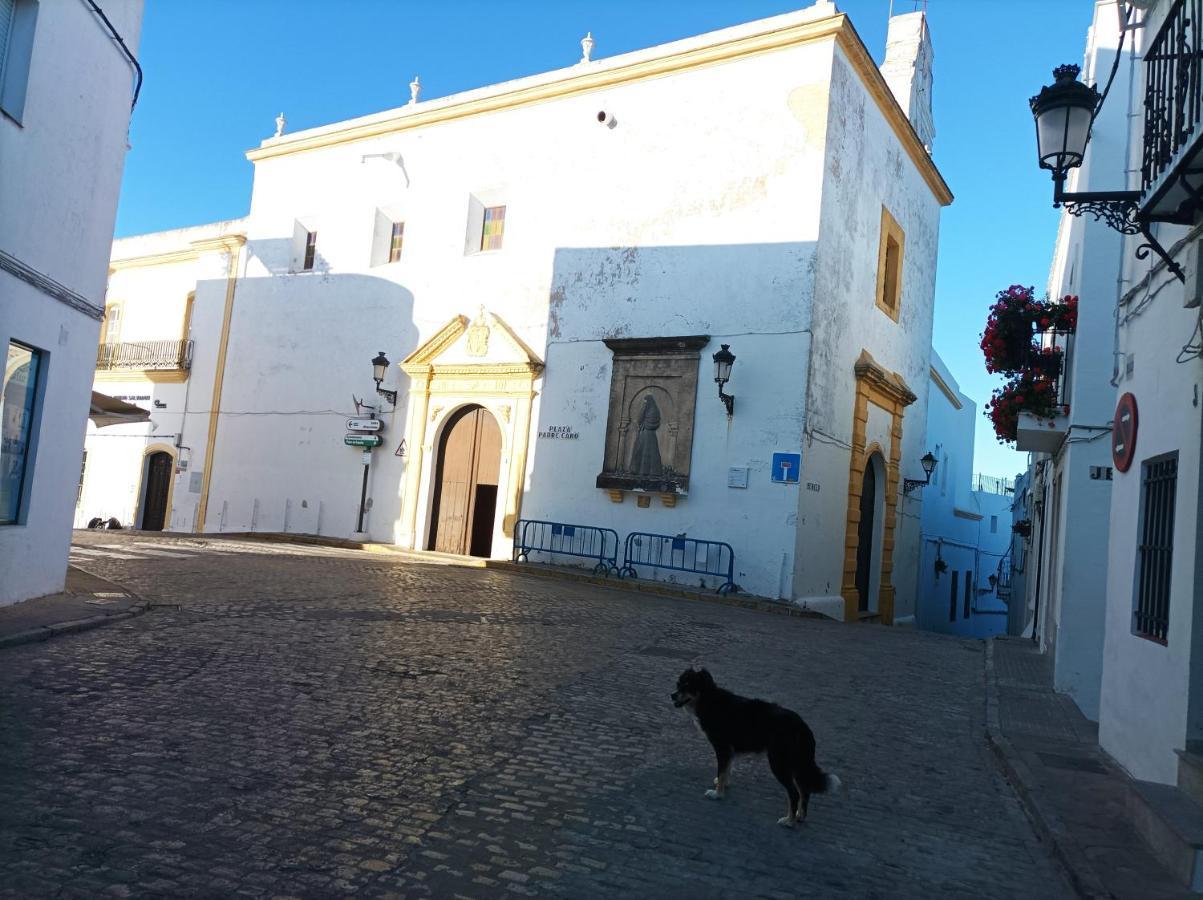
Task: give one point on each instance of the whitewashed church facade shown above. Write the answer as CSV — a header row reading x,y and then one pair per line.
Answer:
x,y
550,264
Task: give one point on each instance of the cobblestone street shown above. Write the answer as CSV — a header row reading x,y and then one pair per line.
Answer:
x,y
304,721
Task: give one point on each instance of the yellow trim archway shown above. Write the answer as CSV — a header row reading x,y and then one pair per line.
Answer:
x,y
887,390
143,475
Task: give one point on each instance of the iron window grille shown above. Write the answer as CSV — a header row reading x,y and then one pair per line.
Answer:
x,y
395,241
310,250
1159,483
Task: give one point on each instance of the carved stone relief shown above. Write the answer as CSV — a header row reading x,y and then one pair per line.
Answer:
x,y
649,431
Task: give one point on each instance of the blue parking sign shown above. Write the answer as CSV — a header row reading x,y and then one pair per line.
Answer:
x,y
787,467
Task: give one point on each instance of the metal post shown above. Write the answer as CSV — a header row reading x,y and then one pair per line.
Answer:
x,y
363,494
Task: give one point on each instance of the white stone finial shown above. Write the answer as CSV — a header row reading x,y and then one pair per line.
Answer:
x,y
414,87
586,47
280,123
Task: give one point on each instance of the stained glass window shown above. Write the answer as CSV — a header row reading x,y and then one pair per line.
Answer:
x,y
21,372
490,238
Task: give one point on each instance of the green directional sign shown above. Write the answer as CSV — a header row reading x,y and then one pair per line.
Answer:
x,y
362,440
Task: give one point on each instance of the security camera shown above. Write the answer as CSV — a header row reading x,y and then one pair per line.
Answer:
x,y
606,118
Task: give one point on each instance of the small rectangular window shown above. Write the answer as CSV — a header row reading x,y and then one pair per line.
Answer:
x,y
889,265
395,241
310,250
952,600
22,371
994,524
494,228
1159,484
18,21
968,593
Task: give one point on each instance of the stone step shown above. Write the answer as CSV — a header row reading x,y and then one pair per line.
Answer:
x,y
1190,774
1171,823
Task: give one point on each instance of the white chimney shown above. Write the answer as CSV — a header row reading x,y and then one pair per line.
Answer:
x,y
907,70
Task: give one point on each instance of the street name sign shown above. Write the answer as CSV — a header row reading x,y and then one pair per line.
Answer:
x,y
363,424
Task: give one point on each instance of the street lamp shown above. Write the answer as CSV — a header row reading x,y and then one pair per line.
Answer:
x,y
1064,112
723,360
929,465
379,369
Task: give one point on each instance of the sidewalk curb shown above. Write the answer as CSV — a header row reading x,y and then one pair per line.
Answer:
x,y
74,626
1048,826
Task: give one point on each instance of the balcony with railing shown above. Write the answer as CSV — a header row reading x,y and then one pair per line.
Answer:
x,y
1043,422
146,356
993,484
1171,175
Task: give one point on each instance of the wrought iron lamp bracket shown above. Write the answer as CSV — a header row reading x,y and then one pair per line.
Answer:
x,y
390,396
1118,210
909,484
728,401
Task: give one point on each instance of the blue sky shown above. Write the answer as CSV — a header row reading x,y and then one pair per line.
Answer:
x,y
218,72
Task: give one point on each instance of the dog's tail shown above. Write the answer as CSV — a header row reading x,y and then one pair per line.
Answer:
x,y
816,781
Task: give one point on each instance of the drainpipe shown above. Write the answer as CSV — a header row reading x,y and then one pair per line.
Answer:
x,y
1119,275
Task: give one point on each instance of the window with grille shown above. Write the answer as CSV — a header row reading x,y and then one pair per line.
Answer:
x,y
83,468
1159,484
968,594
952,600
310,250
395,241
494,228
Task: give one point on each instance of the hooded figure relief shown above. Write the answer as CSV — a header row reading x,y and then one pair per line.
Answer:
x,y
645,458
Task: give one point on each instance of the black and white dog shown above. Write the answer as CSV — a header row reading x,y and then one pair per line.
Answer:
x,y
735,725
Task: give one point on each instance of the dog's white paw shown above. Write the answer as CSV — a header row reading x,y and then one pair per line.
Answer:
x,y
787,821
834,785
714,795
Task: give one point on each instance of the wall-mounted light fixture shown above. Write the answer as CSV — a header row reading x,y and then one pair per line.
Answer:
x,y
723,360
379,369
929,465
1064,112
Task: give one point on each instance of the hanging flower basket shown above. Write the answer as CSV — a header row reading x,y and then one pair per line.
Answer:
x,y
1026,392
1008,336
1023,528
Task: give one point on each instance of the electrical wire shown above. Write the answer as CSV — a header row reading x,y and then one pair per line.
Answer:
x,y
1119,53
124,49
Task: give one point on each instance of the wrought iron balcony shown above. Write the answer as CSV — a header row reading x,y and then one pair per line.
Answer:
x,y
1171,180
1045,425
144,355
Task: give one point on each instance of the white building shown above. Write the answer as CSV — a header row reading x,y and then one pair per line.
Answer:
x,y
545,255
965,522
1140,628
1071,455
65,99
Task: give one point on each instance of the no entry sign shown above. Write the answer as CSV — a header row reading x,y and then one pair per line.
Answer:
x,y
1123,433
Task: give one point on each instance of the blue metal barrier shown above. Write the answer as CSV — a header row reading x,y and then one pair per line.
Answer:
x,y
680,554
588,541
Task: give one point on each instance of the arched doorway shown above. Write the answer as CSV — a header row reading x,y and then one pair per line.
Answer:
x,y
157,490
466,476
868,532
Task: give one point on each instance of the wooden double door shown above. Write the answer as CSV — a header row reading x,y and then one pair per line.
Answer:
x,y
465,498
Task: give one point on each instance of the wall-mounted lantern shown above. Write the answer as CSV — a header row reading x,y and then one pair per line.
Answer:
x,y
723,360
1064,112
929,465
379,369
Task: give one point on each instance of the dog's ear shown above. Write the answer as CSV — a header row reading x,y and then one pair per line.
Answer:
x,y
707,678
